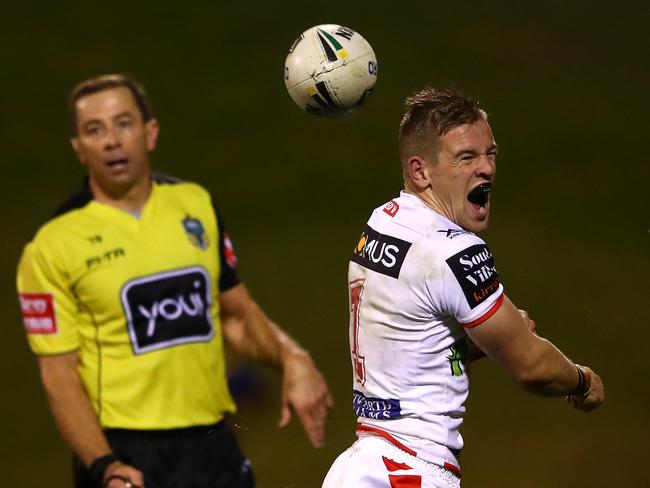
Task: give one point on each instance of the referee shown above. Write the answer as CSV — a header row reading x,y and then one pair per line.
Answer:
x,y
126,294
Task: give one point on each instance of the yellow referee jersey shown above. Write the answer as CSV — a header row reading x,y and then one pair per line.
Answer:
x,y
137,297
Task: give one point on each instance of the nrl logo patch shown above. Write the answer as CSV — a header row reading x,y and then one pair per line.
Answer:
x,y
195,232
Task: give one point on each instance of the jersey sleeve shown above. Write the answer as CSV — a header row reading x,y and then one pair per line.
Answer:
x,y
470,290
228,277
48,307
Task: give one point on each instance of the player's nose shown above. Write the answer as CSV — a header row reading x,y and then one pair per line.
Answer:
x,y
486,167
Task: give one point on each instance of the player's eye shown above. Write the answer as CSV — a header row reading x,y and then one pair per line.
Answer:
x,y
124,123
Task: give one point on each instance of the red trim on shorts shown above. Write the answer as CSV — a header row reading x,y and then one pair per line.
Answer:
x,y
492,310
387,436
394,465
453,468
405,481
374,430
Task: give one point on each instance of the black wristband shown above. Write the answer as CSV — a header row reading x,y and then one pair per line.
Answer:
x,y
98,467
581,387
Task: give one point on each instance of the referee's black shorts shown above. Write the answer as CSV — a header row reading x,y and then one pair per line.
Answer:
x,y
195,457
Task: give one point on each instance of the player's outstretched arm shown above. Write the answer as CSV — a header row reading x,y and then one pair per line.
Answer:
x,y
475,352
254,336
75,417
534,362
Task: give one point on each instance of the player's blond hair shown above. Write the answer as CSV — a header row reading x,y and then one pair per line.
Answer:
x,y
431,113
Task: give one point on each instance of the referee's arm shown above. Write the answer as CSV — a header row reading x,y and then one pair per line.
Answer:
x,y
75,416
256,337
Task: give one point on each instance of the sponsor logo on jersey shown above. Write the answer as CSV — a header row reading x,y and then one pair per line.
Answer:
x,y
474,269
168,309
106,257
451,233
379,252
196,232
375,408
458,357
38,313
391,208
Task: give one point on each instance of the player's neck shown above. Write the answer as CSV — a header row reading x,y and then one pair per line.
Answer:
x,y
432,200
131,198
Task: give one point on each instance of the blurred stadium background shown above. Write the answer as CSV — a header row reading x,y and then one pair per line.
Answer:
x,y
566,84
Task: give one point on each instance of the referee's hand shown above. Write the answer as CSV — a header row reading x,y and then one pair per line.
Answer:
x,y
120,475
305,391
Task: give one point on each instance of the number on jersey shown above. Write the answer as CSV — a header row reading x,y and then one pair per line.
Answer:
x,y
356,293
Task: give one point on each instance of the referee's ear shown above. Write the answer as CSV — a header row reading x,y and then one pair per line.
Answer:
x,y
78,150
151,130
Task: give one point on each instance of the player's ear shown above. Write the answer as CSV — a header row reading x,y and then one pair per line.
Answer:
x,y
152,129
415,170
78,150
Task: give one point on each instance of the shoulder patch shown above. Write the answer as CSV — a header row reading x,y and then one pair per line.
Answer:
x,y
38,313
476,274
391,208
379,252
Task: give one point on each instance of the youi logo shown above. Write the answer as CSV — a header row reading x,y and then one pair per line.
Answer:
x,y
168,309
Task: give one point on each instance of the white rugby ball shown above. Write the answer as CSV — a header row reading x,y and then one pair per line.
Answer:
x,y
330,70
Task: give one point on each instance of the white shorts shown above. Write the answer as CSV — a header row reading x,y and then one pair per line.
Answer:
x,y
373,462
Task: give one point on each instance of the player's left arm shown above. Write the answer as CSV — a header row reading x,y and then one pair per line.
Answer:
x,y
253,335
476,353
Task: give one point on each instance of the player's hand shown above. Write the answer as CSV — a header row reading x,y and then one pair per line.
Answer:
x,y
120,475
529,322
595,392
304,391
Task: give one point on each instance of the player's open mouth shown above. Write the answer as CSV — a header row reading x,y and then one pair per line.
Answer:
x,y
480,195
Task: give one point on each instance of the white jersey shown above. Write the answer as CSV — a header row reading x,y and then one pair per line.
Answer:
x,y
416,280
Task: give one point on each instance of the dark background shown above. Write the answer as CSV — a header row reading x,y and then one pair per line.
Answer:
x,y
566,86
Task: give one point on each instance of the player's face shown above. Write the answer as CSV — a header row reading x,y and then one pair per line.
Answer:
x,y
463,174
113,140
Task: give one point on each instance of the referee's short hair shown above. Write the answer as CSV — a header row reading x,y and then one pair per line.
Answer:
x,y
108,82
